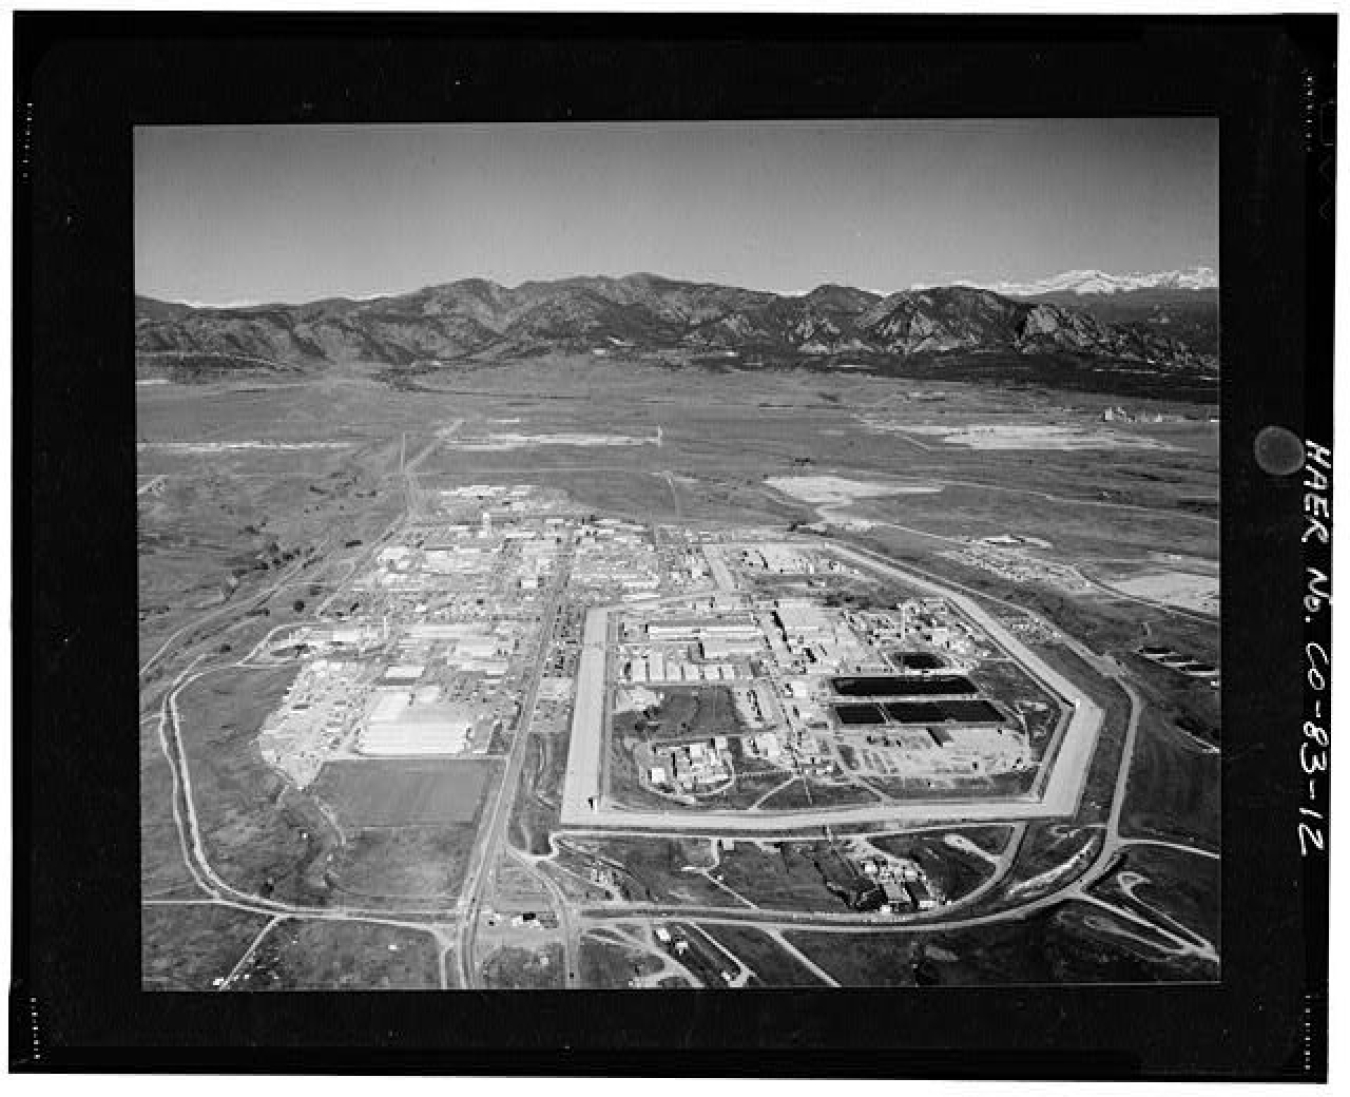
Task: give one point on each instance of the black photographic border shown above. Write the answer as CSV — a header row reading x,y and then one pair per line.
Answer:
x,y
82,81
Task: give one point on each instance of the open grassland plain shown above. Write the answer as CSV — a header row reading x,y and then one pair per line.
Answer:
x,y
954,867
258,501
1100,621
401,868
1067,944
1175,787
512,968
610,962
649,870
1078,529
790,875
752,784
535,812
310,955
164,871
381,833
260,835
1179,890
194,946
769,959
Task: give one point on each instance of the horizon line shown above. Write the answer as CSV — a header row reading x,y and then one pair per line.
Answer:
x,y
954,281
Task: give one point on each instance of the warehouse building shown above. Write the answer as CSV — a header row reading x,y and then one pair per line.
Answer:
x,y
690,629
399,724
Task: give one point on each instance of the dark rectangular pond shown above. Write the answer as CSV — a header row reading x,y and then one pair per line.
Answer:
x,y
971,712
938,685
914,712
917,660
859,715
976,711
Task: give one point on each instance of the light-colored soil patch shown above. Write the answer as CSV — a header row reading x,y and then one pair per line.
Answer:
x,y
837,491
512,440
1022,436
1194,564
1174,588
222,447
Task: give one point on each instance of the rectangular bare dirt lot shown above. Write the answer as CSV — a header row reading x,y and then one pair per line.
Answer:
x,y
403,792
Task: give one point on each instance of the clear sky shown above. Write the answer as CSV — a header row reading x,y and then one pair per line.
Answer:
x,y
295,213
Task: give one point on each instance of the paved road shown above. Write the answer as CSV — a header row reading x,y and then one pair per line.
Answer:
x,y
480,880
567,928
581,781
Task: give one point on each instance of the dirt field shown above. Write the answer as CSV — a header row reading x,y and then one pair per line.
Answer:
x,y
403,792
401,866
773,966
606,964
1199,593
524,969
1021,436
342,956
837,490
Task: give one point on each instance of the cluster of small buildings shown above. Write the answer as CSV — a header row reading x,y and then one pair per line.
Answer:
x,y
317,711
766,745
982,748
692,766
689,567
1120,414
671,666
877,627
423,660
777,559
458,570
601,875
1017,566
501,500
1184,664
810,755
616,557
714,646
811,638
930,621
894,888
960,750
1033,629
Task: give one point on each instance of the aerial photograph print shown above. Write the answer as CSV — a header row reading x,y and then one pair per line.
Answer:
x,y
678,555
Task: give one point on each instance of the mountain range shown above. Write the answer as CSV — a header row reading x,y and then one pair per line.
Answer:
x,y
1094,283
644,315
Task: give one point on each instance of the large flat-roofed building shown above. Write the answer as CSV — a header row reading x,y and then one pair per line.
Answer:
x,y
721,647
688,629
783,560
803,621
399,725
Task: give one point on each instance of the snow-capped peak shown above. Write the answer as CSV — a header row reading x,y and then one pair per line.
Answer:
x,y
1096,281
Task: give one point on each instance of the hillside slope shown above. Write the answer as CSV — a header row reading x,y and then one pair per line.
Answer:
x,y
477,320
